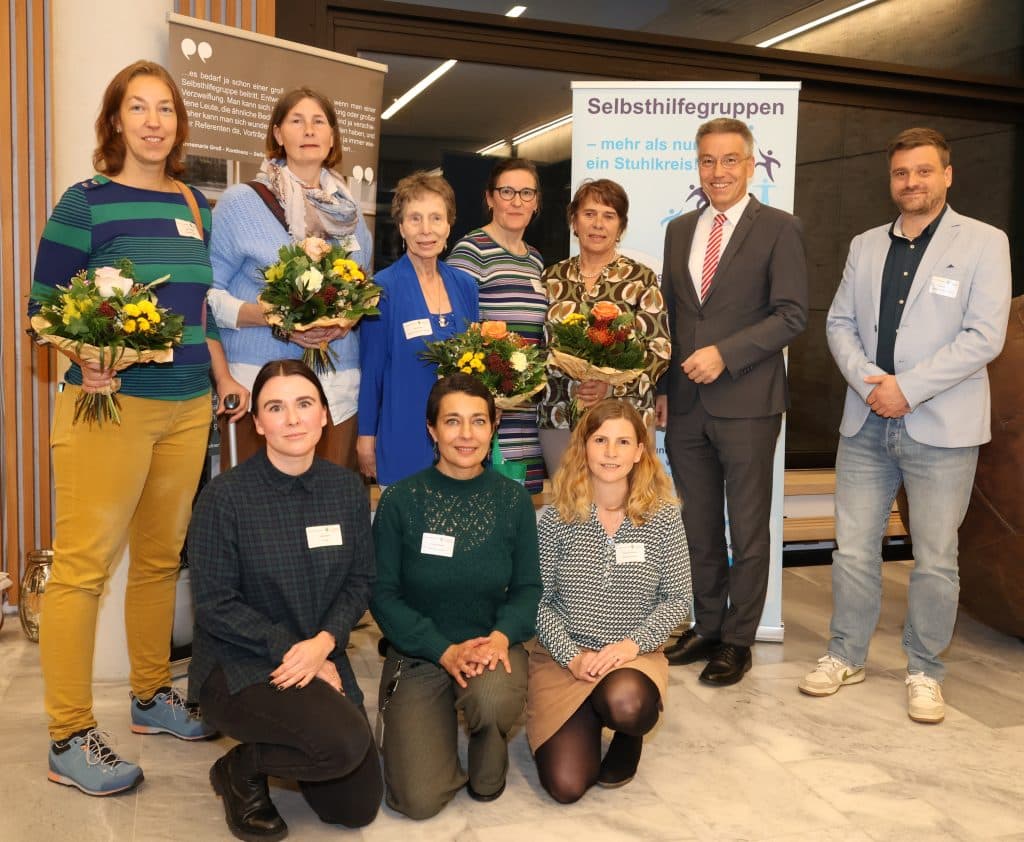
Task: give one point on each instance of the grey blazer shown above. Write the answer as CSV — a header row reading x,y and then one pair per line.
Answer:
x,y
756,306
954,323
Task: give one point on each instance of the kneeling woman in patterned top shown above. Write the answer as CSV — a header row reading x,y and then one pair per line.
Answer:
x,y
616,574
456,596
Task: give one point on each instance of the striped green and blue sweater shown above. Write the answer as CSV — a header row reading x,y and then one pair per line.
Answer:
x,y
96,223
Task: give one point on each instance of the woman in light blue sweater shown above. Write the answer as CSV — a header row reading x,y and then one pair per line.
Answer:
x,y
297,194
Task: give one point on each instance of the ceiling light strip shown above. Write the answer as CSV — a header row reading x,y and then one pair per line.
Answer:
x,y
853,7
433,76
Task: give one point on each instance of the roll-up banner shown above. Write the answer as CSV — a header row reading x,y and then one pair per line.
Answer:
x,y
230,79
641,134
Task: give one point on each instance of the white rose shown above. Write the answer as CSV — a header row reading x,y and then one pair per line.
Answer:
x,y
311,280
109,280
518,361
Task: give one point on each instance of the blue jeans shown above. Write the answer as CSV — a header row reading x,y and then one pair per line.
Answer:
x,y
869,469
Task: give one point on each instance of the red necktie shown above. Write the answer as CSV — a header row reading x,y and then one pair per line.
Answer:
x,y
711,255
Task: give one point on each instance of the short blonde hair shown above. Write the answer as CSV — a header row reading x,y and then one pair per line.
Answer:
x,y
649,485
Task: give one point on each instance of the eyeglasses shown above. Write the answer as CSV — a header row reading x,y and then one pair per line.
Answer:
x,y
527,194
729,162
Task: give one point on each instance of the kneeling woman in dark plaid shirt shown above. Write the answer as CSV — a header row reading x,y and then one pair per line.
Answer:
x,y
282,567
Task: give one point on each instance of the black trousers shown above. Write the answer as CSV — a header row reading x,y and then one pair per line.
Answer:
x,y
715,460
314,735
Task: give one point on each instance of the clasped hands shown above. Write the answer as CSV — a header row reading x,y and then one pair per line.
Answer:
x,y
887,398
305,661
316,337
591,666
471,657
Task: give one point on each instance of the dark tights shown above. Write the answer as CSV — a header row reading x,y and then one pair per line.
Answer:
x,y
569,762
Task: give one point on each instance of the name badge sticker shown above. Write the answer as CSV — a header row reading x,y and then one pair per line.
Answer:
x,y
946,287
187,229
328,535
434,544
417,327
629,554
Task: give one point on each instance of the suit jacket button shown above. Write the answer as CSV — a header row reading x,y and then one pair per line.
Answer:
x,y
700,317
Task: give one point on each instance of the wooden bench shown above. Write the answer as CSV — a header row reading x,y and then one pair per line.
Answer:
x,y
806,482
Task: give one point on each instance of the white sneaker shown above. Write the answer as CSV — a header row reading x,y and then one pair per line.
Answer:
x,y
829,676
924,698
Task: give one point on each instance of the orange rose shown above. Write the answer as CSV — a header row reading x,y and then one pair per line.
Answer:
x,y
605,311
494,330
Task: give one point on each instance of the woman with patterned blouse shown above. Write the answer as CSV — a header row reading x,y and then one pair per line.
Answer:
x,y
508,272
598,215
616,574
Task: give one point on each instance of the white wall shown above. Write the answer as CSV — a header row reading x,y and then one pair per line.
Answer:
x,y
91,42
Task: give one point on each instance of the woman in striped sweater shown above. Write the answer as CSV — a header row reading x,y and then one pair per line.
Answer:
x,y
131,482
508,271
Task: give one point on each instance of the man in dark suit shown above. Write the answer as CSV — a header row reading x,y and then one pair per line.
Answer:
x,y
735,285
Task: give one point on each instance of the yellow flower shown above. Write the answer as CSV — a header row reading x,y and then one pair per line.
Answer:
x,y
465,358
129,326
574,318
477,365
147,308
479,355
132,310
346,268
143,325
466,370
275,272
155,317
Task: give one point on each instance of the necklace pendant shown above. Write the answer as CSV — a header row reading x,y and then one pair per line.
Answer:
x,y
442,320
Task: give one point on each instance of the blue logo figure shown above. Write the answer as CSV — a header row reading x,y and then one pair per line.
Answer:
x,y
695,193
768,162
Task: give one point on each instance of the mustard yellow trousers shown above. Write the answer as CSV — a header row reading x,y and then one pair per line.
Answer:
x,y
133,484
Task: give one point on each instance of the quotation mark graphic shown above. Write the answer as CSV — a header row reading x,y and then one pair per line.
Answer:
x,y
189,49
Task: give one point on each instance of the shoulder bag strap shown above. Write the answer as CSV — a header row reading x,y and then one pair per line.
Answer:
x,y
270,200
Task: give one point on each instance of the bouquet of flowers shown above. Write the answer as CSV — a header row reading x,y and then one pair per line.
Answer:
x,y
598,343
510,367
106,316
315,284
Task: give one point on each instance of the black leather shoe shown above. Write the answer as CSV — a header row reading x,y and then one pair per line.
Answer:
x,y
621,761
727,665
250,813
690,648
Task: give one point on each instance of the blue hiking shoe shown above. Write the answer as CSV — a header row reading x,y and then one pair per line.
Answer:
x,y
169,713
86,761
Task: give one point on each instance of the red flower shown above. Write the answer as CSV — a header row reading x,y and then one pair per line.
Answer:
x,y
622,334
106,310
600,336
329,295
507,385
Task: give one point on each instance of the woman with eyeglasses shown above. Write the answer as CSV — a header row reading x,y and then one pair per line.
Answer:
x,y
508,270
456,596
598,215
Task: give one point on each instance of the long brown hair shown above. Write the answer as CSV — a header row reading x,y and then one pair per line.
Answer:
x,y
108,156
649,485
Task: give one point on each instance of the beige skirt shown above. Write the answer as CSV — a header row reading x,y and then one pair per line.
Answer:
x,y
554,694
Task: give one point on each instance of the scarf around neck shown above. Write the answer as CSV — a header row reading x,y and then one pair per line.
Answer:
x,y
327,211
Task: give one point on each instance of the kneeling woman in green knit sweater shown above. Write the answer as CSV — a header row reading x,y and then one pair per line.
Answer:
x,y
457,588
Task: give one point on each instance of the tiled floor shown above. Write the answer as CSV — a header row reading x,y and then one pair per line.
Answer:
x,y
756,761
